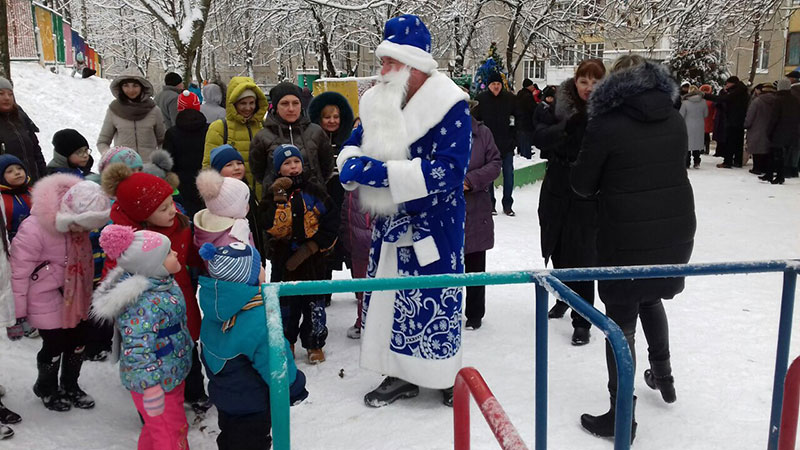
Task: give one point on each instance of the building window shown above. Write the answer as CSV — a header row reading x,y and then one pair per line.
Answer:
x,y
763,56
572,55
533,69
793,49
351,47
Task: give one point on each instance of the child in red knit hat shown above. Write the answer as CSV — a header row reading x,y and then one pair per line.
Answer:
x,y
144,202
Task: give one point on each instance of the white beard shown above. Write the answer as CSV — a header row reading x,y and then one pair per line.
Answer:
x,y
384,138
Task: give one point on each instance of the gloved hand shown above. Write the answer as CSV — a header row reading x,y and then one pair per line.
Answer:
x,y
307,249
364,170
279,188
153,400
15,332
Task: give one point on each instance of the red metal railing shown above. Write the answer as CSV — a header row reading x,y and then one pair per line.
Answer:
x,y
469,381
791,403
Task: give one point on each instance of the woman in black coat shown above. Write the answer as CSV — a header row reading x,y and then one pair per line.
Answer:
x,y
18,133
567,221
633,159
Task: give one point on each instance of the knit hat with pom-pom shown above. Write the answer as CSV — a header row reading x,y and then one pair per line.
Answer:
x,y
237,262
188,100
225,197
160,165
85,205
125,155
138,195
138,252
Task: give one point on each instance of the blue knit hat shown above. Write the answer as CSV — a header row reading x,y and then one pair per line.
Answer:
x,y
237,262
223,155
408,40
8,160
282,153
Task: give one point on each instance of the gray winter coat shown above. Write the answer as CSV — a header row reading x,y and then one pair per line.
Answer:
x,y
757,123
145,135
694,112
484,168
213,106
167,101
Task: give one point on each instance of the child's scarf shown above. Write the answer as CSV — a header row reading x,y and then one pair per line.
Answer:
x,y
78,282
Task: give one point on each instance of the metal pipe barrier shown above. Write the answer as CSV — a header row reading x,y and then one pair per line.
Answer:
x,y
791,403
547,281
469,381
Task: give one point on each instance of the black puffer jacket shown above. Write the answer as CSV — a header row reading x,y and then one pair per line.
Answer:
x,y
526,106
568,222
633,158
308,137
733,102
18,138
186,143
495,112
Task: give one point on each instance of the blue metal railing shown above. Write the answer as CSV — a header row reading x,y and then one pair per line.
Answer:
x,y
547,282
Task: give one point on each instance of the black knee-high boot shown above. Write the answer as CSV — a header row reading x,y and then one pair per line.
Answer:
x,y
46,386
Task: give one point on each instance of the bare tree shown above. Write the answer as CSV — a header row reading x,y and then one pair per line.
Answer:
x,y
5,54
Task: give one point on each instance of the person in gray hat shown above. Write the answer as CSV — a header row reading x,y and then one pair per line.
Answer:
x,y
18,133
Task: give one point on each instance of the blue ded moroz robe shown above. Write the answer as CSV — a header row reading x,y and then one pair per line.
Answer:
x,y
415,334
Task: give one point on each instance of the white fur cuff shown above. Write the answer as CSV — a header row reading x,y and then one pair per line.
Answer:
x,y
406,181
426,251
350,151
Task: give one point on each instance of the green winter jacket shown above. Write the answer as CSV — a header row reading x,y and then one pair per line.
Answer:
x,y
220,301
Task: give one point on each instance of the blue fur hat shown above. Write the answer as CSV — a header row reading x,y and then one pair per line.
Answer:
x,y
408,40
282,153
223,155
237,262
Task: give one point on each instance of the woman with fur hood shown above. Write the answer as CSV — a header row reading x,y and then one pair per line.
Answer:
x,y
133,119
286,124
52,271
568,222
633,159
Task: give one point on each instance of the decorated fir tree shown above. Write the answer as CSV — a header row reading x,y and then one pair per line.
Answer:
x,y
492,64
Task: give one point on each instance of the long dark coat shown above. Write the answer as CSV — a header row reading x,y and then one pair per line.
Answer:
x,y
18,138
568,222
634,159
495,112
186,143
484,168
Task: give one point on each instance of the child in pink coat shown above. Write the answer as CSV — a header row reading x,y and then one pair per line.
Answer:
x,y
52,269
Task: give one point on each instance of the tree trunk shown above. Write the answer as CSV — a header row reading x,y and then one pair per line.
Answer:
x,y
754,61
5,54
512,40
197,66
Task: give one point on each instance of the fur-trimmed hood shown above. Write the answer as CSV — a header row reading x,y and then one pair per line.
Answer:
x,y
118,291
622,87
567,101
46,198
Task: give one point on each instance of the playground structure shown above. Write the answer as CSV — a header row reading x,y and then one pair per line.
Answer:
x,y
548,282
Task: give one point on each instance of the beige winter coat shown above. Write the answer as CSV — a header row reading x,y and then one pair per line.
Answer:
x,y
145,134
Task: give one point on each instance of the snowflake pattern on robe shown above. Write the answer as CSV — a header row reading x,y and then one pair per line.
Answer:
x,y
427,322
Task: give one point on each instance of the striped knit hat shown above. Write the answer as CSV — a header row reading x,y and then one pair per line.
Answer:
x,y
237,262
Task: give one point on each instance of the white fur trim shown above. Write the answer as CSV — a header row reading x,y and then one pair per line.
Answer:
x,y
426,251
376,201
406,181
113,296
408,55
347,152
429,105
89,220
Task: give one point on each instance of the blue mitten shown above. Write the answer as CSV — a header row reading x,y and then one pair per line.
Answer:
x,y
365,170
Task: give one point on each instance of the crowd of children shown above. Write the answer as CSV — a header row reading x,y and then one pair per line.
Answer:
x,y
108,263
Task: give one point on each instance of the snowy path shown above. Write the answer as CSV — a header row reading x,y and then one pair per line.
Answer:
x,y
723,341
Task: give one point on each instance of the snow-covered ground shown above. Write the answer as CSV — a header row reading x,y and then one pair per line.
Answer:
x,y
723,329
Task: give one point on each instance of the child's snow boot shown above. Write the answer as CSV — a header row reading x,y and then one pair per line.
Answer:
x,y
390,390
603,425
7,416
316,356
70,371
46,386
